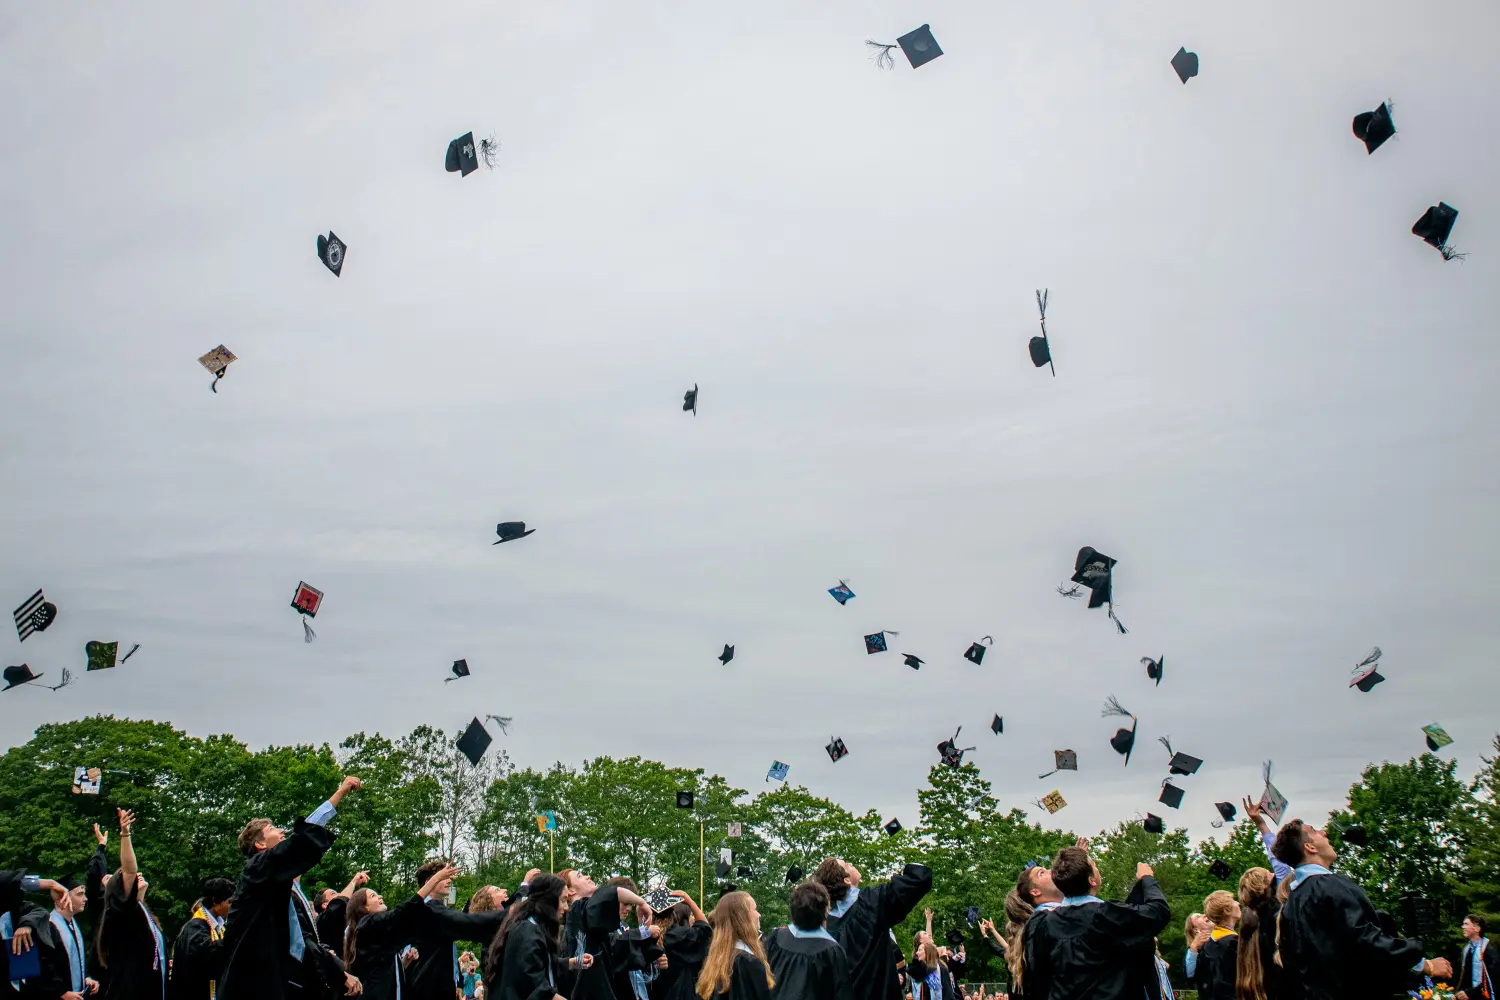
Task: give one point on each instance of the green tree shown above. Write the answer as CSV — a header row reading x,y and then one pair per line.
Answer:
x,y
1479,830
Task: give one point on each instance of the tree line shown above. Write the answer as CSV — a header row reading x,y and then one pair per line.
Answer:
x,y
1429,834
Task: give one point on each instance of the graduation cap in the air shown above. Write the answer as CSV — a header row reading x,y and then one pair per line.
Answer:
x,y
727,655
1356,835
690,400
777,771
1435,226
949,751
1052,801
1094,570
1272,802
742,871
1366,674
841,593
997,725
685,799
1181,763
509,531
462,158
893,827
836,749
972,915
1041,347
1171,795
1155,668
1220,869
1373,128
217,361
955,937
975,653
1437,736
474,742
460,669
918,45
725,864
875,641
306,602
101,655
1123,740
1062,760
86,780
1154,824
913,660
331,252
1227,810
794,874
16,676
1186,64
35,614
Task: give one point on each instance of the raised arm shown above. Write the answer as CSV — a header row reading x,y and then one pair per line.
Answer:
x,y
359,879
685,898
128,866
898,897
1267,838
349,784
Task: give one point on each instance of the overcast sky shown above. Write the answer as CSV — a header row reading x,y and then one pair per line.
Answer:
x,y
1273,404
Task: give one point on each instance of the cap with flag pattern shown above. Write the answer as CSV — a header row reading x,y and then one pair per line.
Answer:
x,y
474,742
34,615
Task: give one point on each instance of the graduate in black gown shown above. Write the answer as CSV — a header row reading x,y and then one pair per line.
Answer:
x,y
928,976
861,918
375,936
614,954
23,924
270,955
525,961
435,974
807,963
1333,946
1218,959
684,940
1086,947
198,954
1257,972
132,950
333,912
736,966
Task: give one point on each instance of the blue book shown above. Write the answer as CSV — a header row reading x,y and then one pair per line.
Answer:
x,y
27,965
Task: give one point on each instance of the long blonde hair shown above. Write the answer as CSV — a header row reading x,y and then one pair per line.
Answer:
x,y
1017,912
1257,889
732,926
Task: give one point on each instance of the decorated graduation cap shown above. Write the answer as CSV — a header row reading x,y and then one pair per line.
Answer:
x,y
658,896
777,771
1062,760
949,751
913,660
306,601
1154,668
1437,736
997,724
1052,801
975,653
1373,128
460,669
474,741
1272,802
217,361
893,827
1123,741
1154,824
1435,226
86,780
917,45
1094,570
1181,763
1186,64
101,655
836,749
1220,869
1366,674
509,531
1041,347
1170,795
465,155
841,593
735,831
685,799
727,655
36,614
690,400
875,641
331,252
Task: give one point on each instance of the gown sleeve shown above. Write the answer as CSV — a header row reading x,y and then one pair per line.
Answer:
x,y
296,855
750,979
1371,945
535,961
898,897
688,945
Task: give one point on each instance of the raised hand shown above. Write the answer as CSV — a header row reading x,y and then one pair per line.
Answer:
x,y
1142,870
127,820
100,835
531,875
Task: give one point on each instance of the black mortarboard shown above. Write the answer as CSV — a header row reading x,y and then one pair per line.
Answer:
x,y
1227,810
685,800
1181,763
1366,675
474,742
794,874
1041,347
1220,869
460,669
1373,128
949,752
1435,226
919,45
727,655
1154,824
914,661
100,655
1155,668
742,871
975,653
1355,834
462,156
836,749
690,400
35,614
1186,64
331,252
972,916
1123,740
893,827
723,867
16,676
1062,760
509,531
997,725
1095,570
1170,794
875,641
955,937
217,361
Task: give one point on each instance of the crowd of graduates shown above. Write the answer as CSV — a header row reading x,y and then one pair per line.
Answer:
x,y
1295,930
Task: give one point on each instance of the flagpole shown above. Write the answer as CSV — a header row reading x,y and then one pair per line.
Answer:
x,y
700,862
551,861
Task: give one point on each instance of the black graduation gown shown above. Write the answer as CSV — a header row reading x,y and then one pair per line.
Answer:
x,y
686,949
1334,948
807,968
323,968
431,976
22,914
57,977
130,968
197,960
257,938
865,931
575,931
378,945
94,874
1265,939
612,954
1218,967
916,972
331,923
1490,959
1099,951
747,980
529,966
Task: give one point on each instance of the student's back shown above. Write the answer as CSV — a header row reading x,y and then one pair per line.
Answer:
x,y
863,927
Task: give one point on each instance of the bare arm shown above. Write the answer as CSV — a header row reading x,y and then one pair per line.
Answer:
x,y
684,897
128,866
359,879
349,784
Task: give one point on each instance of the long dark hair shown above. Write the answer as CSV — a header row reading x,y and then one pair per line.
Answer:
x,y
357,910
543,899
116,884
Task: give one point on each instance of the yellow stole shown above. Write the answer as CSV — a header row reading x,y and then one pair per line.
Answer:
x,y
214,934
